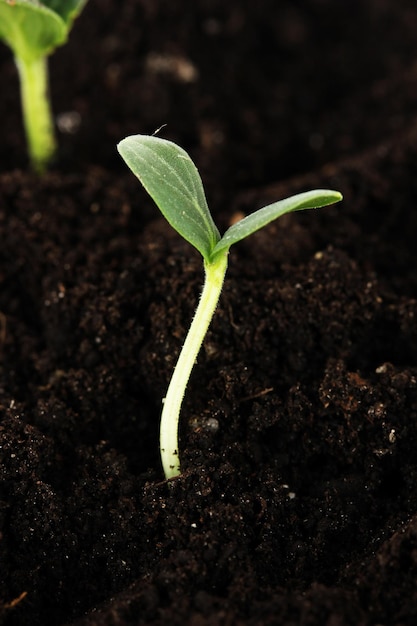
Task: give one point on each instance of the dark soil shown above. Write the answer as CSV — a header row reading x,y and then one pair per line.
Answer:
x,y
298,501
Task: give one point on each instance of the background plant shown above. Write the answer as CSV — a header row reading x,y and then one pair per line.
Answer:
x,y
33,30
170,177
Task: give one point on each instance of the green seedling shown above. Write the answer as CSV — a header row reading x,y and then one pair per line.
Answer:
x,y
33,29
170,177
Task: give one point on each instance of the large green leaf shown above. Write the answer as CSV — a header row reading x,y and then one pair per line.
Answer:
x,y
172,180
253,222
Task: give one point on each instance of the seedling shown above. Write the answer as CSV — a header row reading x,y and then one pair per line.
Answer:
x,y
33,29
170,177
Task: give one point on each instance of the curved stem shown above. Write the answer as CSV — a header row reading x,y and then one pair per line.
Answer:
x,y
214,277
37,114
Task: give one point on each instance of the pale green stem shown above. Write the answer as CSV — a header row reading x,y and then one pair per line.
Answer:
x,y
37,112
214,277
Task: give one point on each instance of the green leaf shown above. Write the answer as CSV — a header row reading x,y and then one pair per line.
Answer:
x,y
34,29
173,182
253,222
67,9
30,29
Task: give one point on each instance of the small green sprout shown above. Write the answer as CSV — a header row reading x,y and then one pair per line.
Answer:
x,y
33,29
170,177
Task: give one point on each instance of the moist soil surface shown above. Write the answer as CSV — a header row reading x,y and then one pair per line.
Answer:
x,y
298,503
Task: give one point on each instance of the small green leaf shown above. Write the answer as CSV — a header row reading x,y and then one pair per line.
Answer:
x,y
34,29
67,9
253,222
30,28
173,182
